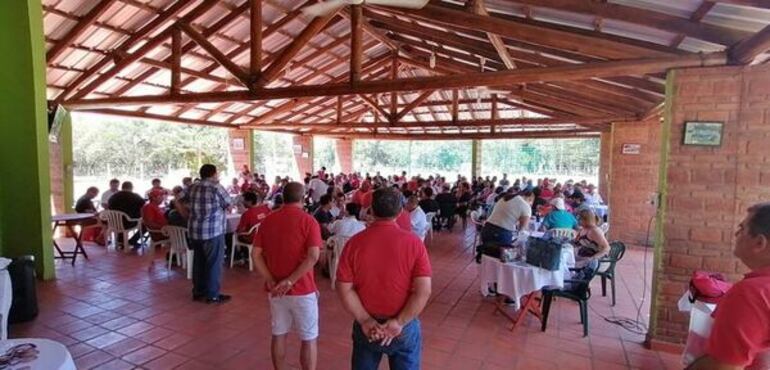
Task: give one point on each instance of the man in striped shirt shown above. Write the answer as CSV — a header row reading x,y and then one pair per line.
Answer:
x,y
209,202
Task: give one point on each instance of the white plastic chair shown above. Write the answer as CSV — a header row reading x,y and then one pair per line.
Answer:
x,y
562,233
429,217
237,243
605,228
114,221
177,237
337,244
478,224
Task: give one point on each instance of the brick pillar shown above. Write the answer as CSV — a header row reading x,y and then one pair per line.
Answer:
x,y
60,169
605,159
633,180
304,158
706,190
240,148
344,150
475,158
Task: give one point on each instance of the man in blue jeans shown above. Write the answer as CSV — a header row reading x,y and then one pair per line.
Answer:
x,y
209,202
385,297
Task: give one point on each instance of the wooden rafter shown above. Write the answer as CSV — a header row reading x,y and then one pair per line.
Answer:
x,y
745,51
500,78
215,53
356,43
176,61
480,8
87,21
255,38
414,104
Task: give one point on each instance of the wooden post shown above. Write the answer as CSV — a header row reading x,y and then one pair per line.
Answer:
x,y
455,104
256,39
494,113
176,60
356,42
393,94
339,109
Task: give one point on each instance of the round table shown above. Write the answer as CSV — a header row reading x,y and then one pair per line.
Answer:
x,y
52,355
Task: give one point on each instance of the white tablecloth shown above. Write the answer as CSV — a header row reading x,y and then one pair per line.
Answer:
x,y
53,355
601,210
517,279
232,221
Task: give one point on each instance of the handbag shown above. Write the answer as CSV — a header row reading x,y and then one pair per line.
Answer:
x,y
544,253
708,287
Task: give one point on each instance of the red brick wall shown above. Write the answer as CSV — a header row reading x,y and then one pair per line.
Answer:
x,y
57,178
304,165
633,180
344,150
710,188
240,155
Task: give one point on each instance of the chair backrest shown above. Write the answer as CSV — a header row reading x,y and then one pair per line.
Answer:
x,y
114,219
562,233
177,237
617,250
605,227
338,244
581,281
476,218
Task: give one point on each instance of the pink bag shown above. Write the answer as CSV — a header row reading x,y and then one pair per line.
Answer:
x,y
708,287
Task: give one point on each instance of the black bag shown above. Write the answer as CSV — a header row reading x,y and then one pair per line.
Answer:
x,y
490,249
544,253
23,282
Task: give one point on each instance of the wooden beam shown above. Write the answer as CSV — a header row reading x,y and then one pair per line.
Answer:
x,y
479,8
455,105
374,105
414,104
76,31
393,76
539,134
125,60
291,50
255,39
647,18
339,109
596,44
215,53
765,4
745,51
356,43
499,78
463,123
176,60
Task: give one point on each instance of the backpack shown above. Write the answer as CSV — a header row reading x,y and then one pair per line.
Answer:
x,y
708,287
544,253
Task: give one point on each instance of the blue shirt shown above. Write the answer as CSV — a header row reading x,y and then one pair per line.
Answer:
x,y
558,219
208,202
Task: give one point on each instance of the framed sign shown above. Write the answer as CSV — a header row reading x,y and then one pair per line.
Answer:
x,y
238,144
631,149
703,133
297,149
305,155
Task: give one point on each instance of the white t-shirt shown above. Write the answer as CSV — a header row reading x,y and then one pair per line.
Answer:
x,y
319,189
106,195
507,214
419,222
347,227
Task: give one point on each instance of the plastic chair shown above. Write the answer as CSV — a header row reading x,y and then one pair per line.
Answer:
x,y
237,243
607,267
337,244
562,233
177,237
429,218
605,228
478,223
577,289
115,227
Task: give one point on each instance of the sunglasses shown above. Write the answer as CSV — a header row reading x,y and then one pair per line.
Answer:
x,y
18,354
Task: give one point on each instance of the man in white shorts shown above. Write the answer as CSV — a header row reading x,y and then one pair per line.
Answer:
x,y
286,248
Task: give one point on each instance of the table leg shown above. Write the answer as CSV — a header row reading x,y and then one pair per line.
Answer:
x,y
78,243
56,245
529,304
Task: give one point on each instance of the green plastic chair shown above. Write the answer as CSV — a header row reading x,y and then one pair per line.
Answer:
x,y
617,251
577,289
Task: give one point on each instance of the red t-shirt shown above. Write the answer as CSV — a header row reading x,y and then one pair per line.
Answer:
x,y
251,217
363,198
153,216
404,221
285,237
412,185
741,332
383,287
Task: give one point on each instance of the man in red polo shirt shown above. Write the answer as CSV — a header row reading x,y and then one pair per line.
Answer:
x,y
286,248
740,337
385,298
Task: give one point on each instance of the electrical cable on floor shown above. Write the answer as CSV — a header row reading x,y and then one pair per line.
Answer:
x,y
635,325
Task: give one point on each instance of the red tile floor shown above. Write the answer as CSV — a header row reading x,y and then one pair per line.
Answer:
x,y
113,313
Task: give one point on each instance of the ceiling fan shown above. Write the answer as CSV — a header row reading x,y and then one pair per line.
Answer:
x,y
331,6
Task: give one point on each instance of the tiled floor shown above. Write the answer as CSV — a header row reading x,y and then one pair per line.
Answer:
x,y
114,313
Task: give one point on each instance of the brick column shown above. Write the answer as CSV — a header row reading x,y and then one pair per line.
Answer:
x,y
633,180
240,146
475,158
304,158
706,190
344,150
60,168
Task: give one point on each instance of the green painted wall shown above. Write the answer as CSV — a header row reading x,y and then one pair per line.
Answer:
x,y
25,207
